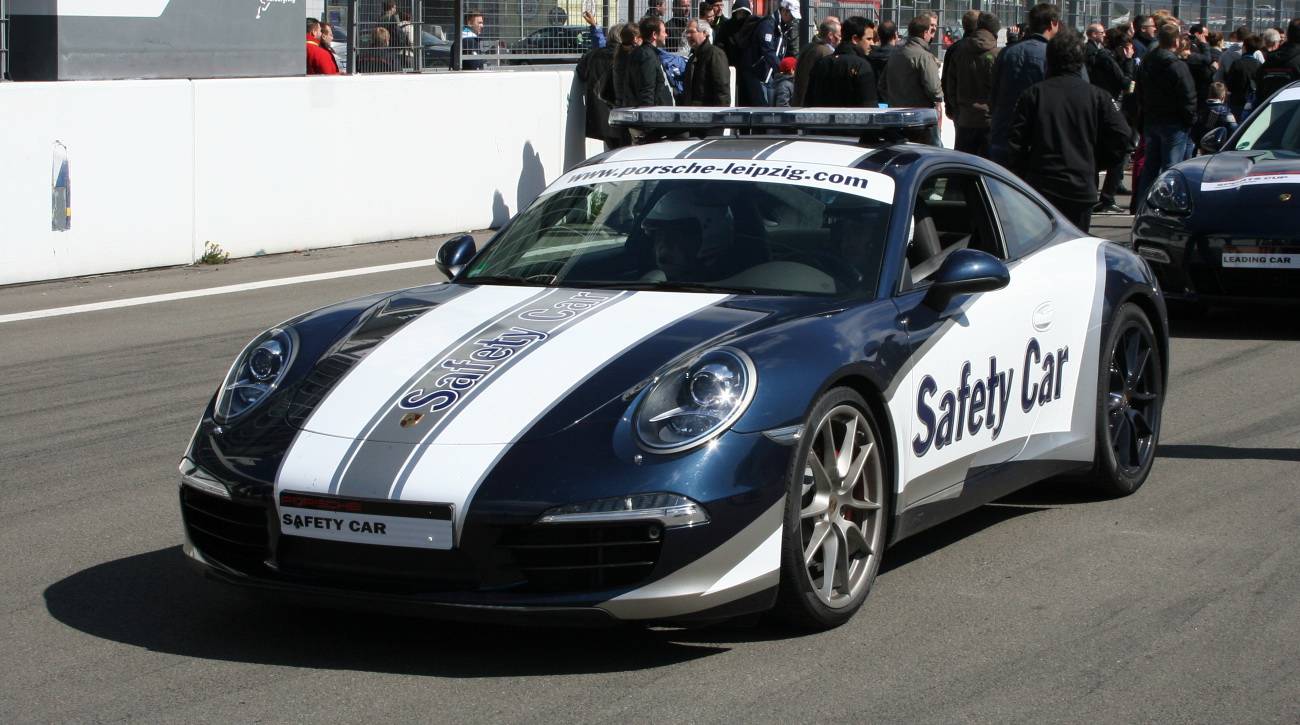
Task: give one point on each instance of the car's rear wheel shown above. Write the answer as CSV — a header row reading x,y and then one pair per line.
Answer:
x,y
1130,398
835,514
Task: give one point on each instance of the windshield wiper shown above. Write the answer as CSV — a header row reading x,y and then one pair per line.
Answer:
x,y
537,280
682,287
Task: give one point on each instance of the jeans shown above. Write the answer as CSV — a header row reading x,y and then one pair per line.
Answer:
x,y
1167,144
758,92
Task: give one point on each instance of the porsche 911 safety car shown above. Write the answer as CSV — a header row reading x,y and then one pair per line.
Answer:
x,y
693,380
1225,227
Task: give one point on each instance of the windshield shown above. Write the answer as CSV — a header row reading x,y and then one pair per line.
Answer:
x,y
1275,127
693,235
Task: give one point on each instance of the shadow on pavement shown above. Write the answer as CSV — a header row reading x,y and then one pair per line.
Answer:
x,y
156,602
1228,453
1241,322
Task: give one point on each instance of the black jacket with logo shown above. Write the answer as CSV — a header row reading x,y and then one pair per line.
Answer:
x,y
843,78
1280,68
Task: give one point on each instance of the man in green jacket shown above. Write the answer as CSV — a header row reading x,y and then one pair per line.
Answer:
x,y
911,77
968,75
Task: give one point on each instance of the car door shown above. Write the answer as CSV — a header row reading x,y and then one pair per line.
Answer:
x,y
983,368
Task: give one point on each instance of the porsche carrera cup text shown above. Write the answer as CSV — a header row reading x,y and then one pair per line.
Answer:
x,y
977,404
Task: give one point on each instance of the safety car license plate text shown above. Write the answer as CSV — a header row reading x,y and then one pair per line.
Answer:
x,y
366,521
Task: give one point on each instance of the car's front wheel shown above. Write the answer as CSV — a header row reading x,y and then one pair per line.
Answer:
x,y
835,514
1130,399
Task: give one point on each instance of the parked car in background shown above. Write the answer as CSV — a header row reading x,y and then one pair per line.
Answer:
x,y
1223,227
571,40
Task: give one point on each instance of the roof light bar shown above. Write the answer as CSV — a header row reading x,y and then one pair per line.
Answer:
x,y
802,119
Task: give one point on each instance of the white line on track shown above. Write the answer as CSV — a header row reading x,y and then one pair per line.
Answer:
x,y
171,296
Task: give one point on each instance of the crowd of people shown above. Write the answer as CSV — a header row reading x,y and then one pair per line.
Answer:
x,y
1062,109
1053,105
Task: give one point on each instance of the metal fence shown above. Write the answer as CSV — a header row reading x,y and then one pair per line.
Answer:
x,y
4,40
520,34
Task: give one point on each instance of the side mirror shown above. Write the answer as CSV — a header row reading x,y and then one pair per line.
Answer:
x,y
1213,141
454,254
964,272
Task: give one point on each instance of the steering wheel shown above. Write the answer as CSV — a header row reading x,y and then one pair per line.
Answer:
x,y
846,276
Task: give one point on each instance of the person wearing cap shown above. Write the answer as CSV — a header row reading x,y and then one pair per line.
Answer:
x,y
727,34
783,83
761,62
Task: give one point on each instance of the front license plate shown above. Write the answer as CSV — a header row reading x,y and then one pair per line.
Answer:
x,y
1261,258
366,521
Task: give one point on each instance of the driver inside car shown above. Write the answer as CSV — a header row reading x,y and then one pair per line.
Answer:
x,y
853,221
689,238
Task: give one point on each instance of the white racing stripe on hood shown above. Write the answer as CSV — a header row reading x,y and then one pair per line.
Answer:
x,y
314,458
449,470
346,411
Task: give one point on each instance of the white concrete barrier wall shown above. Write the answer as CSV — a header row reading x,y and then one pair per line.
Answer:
x,y
266,165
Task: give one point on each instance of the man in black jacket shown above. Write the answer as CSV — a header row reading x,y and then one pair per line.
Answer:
x,y
707,81
1280,66
1167,96
1064,129
646,82
845,78
886,44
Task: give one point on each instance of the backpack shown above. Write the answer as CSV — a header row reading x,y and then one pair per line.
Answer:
x,y
736,43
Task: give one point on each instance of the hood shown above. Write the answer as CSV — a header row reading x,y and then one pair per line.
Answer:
x,y
1252,179
500,364
982,39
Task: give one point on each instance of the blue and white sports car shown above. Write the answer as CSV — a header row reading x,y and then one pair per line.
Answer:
x,y
1225,227
693,380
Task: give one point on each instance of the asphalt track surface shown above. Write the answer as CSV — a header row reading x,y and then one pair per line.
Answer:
x,y
1180,604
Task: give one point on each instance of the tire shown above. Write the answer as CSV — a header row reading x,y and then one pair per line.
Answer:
x,y
835,516
1130,400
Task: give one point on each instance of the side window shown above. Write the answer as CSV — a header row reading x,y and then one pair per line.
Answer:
x,y
1025,224
949,213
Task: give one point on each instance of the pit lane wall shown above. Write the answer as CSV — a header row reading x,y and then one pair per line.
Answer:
x,y
156,169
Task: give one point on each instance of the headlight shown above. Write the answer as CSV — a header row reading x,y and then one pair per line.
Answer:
x,y
695,401
670,509
1171,193
256,372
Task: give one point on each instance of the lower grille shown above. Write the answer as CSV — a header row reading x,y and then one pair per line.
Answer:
x,y
1250,283
372,568
574,558
232,534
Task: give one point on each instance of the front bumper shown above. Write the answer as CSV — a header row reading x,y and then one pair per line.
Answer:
x,y
1188,263
507,566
